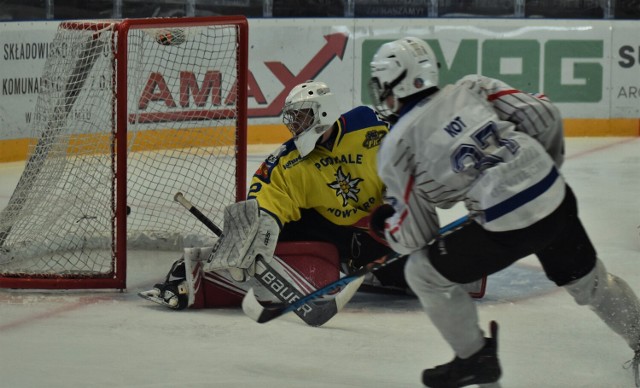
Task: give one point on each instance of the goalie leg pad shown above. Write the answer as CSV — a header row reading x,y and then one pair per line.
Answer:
x,y
193,262
317,262
307,264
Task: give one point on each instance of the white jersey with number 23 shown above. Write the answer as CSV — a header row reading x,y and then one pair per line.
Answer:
x,y
481,142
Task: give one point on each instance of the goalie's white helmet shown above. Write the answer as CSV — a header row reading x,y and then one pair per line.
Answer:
x,y
399,69
309,111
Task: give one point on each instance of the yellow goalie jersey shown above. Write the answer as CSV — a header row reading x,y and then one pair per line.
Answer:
x,y
340,182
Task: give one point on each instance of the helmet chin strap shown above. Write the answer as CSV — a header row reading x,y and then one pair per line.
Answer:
x,y
389,93
392,112
397,105
391,85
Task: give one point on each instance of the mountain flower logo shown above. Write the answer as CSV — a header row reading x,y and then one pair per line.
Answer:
x,y
345,186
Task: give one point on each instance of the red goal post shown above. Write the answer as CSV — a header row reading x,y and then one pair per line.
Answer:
x,y
130,112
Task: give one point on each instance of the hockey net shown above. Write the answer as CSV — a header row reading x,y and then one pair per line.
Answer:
x,y
130,113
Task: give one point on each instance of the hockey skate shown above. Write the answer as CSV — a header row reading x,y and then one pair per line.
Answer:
x,y
182,286
633,364
173,293
482,368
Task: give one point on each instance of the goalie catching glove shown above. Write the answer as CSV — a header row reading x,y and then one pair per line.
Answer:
x,y
248,234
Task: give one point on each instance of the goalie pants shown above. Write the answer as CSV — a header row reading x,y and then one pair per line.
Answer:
x,y
355,246
563,248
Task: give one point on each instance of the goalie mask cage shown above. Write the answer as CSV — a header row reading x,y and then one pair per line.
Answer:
x,y
129,113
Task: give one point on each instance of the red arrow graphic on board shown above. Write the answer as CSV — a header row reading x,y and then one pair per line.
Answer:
x,y
335,47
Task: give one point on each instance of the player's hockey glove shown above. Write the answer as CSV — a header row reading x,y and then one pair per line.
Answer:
x,y
378,218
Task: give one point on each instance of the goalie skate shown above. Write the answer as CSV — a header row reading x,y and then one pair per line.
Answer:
x,y
174,294
182,285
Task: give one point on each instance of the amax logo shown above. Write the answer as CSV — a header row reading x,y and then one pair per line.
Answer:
x,y
197,94
565,70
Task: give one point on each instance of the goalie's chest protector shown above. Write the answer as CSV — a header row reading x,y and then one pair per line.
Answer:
x,y
341,181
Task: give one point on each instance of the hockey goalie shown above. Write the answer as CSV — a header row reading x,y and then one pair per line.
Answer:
x,y
306,215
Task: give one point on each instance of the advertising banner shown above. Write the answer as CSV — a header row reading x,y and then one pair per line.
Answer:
x,y
625,70
591,68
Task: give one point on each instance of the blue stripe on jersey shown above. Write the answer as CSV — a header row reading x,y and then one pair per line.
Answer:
x,y
289,147
507,206
359,118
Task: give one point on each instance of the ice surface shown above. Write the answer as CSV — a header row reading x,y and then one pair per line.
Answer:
x,y
113,339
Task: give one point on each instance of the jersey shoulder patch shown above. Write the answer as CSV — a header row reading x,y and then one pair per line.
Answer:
x,y
286,155
264,170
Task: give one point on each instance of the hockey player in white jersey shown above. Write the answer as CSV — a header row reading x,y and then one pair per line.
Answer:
x,y
499,151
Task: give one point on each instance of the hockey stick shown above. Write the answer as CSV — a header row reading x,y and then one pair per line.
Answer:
x,y
262,314
312,312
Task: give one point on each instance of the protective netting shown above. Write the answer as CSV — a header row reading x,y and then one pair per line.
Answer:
x,y
181,97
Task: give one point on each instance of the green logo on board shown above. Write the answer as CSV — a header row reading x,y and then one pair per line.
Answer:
x,y
564,70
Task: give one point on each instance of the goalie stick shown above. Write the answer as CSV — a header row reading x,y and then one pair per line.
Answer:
x,y
262,314
313,312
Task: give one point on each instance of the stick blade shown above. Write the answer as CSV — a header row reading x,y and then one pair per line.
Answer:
x,y
345,295
324,309
254,310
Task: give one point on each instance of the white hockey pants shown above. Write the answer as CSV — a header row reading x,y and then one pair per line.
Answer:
x,y
612,300
447,304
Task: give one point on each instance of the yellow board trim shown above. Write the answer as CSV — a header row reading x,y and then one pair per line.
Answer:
x,y
13,150
601,127
268,134
16,149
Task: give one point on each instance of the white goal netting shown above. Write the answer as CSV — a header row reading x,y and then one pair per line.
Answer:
x,y
153,108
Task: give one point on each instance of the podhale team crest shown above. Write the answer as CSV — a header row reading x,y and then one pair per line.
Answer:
x,y
345,186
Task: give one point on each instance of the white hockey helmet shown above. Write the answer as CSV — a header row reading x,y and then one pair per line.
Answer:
x,y
309,111
399,69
